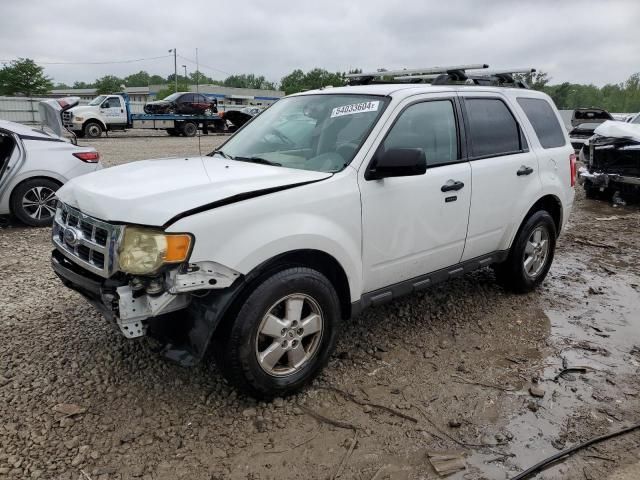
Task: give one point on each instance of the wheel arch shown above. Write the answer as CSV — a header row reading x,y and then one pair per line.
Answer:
x,y
95,120
35,177
552,204
310,258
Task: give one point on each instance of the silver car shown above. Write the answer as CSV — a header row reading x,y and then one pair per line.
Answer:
x,y
34,163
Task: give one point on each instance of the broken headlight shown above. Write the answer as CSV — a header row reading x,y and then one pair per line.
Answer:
x,y
144,250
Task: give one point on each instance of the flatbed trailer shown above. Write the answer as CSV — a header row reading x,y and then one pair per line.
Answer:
x,y
113,112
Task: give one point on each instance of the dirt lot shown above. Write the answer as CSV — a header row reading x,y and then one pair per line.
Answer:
x,y
453,368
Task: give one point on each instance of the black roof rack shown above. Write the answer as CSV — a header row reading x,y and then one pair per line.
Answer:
x,y
445,76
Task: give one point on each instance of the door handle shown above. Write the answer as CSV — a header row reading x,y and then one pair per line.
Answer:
x,y
524,170
451,185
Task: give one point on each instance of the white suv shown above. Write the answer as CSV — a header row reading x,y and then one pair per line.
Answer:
x,y
328,202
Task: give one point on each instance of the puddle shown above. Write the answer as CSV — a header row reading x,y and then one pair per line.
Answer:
x,y
596,328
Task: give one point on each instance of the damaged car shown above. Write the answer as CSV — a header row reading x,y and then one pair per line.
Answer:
x,y
612,161
237,118
184,103
584,121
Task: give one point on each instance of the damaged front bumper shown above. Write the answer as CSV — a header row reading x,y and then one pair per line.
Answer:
x,y
604,180
137,313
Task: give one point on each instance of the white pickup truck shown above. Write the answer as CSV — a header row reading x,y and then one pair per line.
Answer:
x,y
328,202
113,112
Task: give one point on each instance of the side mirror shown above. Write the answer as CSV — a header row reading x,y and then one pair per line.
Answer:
x,y
105,105
397,162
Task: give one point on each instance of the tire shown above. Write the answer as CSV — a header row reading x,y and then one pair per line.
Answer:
x,y
189,129
173,132
529,259
313,304
33,202
208,112
92,130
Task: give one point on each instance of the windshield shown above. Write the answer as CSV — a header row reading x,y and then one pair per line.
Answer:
x,y
309,132
97,100
172,97
636,120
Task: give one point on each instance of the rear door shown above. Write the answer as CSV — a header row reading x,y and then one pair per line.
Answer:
x,y
504,172
412,225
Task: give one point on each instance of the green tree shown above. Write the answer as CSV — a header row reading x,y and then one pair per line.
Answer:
x,y
140,79
248,80
298,81
201,79
108,84
24,77
156,80
82,85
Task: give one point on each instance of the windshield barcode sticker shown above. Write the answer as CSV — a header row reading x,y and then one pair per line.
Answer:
x,y
355,108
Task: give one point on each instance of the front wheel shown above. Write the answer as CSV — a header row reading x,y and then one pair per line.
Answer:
x,y
92,130
531,254
282,336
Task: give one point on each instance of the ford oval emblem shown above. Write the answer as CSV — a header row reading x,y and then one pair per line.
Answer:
x,y
70,237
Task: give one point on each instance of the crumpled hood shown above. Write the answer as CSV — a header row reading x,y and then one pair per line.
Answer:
x,y
151,192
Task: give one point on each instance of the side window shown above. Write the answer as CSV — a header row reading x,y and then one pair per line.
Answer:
x,y
188,98
200,99
114,102
430,126
493,129
544,121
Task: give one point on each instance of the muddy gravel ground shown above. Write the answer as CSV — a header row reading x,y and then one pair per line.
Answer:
x,y
453,370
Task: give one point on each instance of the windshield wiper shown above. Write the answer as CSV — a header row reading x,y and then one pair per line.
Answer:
x,y
220,152
262,161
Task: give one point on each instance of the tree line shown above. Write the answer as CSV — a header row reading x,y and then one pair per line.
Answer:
x,y
25,77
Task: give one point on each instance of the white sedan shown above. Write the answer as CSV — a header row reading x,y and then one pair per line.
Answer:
x,y
34,163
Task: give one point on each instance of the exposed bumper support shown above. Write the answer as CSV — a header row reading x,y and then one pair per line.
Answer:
x,y
601,179
185,338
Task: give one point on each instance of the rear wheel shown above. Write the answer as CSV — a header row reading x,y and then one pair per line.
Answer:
x,y
34,202
92,130
531,254
282,336
189,129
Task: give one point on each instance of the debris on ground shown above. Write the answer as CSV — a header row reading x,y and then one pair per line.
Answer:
x,y
446,463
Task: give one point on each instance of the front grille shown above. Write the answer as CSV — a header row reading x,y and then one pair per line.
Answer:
x,y
87,241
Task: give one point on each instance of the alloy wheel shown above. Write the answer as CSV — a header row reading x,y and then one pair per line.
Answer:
x,y
39,203
536,252
289,335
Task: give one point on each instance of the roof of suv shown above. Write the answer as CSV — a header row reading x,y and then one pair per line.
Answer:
x,y
405,90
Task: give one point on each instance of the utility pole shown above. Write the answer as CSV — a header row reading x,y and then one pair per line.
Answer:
x,y
185,72
175,65
197,73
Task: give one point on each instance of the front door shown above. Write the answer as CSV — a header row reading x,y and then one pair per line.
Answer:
x,y
113,110
412,225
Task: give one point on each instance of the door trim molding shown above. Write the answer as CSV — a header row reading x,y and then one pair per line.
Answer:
x,y
416,284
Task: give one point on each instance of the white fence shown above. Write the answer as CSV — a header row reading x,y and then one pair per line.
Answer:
x,y
25,109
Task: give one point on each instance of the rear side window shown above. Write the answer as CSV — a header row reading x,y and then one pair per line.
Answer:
x,y
429,126
544,121
493,130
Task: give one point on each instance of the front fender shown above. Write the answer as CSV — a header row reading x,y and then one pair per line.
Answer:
x,y
322,216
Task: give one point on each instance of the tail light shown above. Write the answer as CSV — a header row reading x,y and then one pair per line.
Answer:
x,y
574,168
89,157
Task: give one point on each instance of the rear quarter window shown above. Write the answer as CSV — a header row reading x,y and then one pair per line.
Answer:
x,y
544,121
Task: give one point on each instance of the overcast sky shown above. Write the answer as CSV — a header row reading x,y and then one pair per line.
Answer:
x,y
582,41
